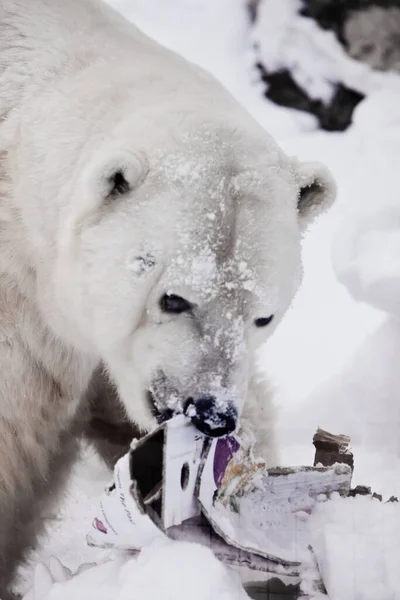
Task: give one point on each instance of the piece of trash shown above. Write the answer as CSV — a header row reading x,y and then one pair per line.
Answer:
x,y
175,482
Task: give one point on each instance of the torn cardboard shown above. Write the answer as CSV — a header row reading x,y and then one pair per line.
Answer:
x,y
175,482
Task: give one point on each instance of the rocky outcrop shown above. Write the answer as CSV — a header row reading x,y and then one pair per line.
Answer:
x,y
366,30
373,36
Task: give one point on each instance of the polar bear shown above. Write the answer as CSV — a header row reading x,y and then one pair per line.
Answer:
x,y
149,228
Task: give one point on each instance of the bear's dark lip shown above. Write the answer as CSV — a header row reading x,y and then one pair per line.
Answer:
x,y
161,416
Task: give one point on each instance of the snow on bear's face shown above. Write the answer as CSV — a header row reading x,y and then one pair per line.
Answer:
x,y
176,263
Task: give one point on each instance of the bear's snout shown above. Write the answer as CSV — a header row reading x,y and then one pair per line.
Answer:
x,y
212,417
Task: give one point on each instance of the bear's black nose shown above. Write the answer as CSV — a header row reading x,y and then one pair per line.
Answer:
x,y
211,417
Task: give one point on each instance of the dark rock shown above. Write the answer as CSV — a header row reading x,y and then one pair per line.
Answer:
x,y
273,589
252,9
360,490
333,14
373,37
337,115
377,496
331,449
284,91
363,490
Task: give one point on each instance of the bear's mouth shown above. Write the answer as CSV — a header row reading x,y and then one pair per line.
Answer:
x,y
163,398
160,413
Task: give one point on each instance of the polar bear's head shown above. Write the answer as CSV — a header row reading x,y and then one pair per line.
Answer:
x,y
176,258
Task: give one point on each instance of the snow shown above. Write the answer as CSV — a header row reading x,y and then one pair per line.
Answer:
x,y
356,544
334,360
176,566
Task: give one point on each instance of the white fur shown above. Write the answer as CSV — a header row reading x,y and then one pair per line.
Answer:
x,y
212,215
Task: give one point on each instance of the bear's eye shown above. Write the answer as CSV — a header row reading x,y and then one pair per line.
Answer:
x,y
170,303
118,184
263,321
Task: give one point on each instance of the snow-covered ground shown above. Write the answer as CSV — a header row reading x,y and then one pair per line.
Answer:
x,y
334,359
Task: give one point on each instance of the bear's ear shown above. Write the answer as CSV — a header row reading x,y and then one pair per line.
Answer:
x,y
111,173
317,191
115,173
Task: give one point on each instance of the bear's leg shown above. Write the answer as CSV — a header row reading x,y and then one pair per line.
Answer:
x,y
10,596
108,428
36,451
